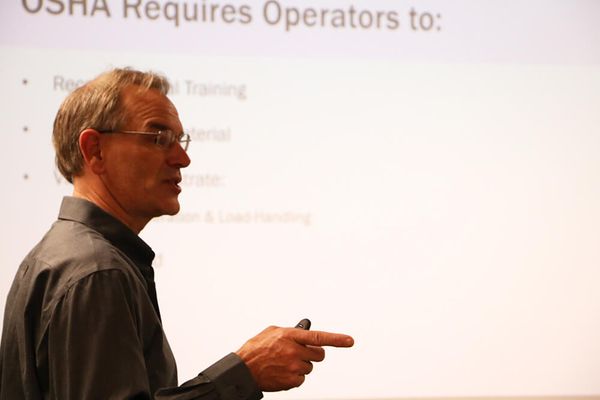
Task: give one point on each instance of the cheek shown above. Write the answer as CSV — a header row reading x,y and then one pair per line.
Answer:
x,y
128,173
134,168
141,178
145,175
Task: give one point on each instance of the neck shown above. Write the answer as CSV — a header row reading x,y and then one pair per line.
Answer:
x,y
105,200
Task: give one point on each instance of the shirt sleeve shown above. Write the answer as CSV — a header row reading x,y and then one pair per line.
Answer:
x,y
96,351
231,378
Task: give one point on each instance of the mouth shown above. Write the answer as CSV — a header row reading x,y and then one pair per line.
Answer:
x,y
174,184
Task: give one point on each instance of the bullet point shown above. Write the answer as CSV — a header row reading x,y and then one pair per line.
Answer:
x,y
25,129
25,81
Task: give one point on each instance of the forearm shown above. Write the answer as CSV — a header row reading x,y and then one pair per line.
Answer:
x,y
227,379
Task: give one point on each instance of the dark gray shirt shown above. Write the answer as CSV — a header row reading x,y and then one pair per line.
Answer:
x,y
82,321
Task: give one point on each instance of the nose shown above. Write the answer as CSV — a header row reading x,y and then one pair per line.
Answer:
x,y
178,157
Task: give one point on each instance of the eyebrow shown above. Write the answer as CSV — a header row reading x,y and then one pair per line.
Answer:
x,y
158,126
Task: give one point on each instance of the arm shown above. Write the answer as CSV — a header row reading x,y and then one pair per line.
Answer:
x,y
229,378
100,346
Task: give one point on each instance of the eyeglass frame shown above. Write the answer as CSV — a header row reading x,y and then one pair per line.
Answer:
x,y
184,139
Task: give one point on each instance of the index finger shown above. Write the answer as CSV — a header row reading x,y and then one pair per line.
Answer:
x,y
320,338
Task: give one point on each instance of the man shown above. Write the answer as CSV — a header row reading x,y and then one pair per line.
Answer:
x,y
82,319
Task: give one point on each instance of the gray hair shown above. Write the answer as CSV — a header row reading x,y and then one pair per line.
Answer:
x,y
96,105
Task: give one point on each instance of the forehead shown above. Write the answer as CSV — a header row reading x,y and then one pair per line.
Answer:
x,y
145,108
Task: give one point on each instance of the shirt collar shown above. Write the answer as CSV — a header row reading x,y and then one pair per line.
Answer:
x,y
85,212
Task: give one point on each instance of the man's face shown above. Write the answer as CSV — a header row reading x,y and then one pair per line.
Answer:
x,y
142,177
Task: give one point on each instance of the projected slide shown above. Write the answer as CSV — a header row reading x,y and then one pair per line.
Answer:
x,y
424,176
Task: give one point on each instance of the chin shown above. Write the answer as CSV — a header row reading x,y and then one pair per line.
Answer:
x,y
170,208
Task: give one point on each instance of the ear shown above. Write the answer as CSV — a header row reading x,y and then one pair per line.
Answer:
x,y
91,150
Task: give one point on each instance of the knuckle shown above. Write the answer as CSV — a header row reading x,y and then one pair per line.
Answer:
x,y
289,352
296,368
309,368
317,353
320,356
318,338
300,380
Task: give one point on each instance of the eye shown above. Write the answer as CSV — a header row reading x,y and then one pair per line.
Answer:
x,y
165,137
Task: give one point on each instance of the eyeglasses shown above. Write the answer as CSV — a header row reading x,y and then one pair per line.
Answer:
x,y
165,138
